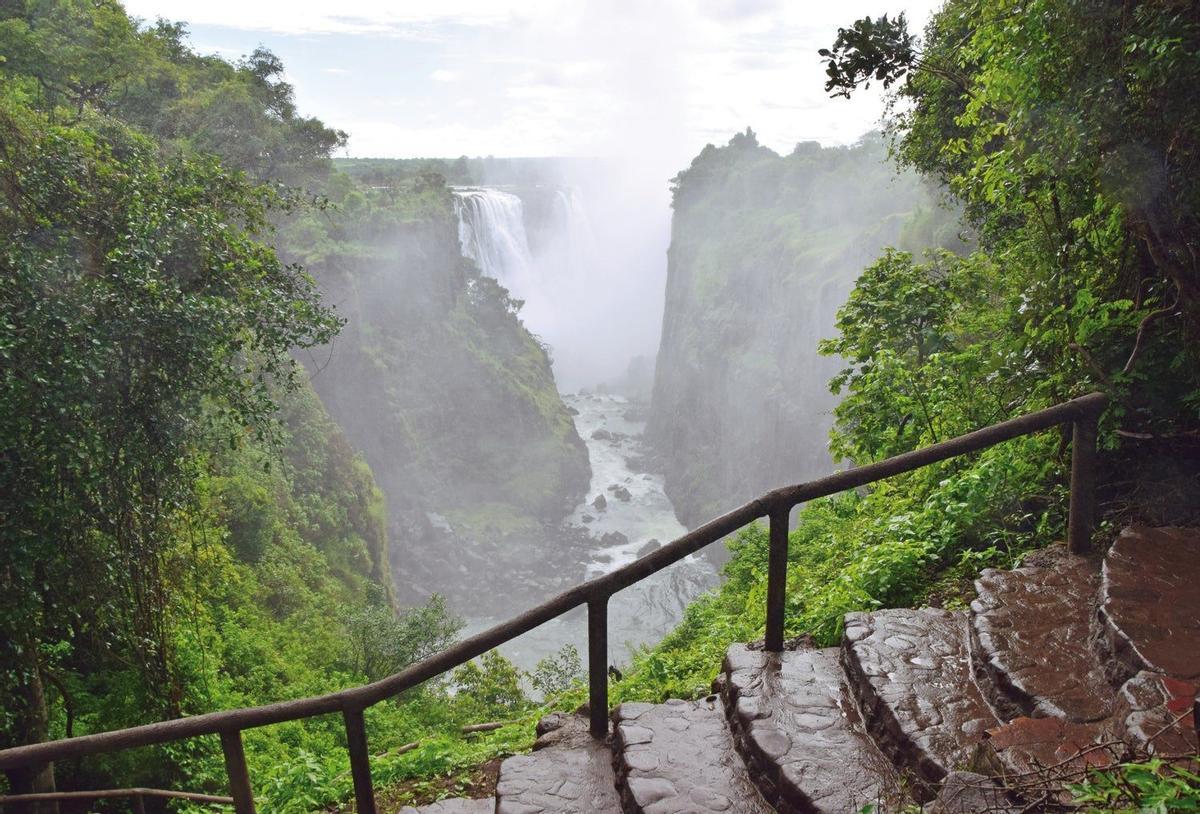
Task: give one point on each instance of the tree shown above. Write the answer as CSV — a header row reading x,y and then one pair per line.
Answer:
x,y
1070,131
1105,89
143,319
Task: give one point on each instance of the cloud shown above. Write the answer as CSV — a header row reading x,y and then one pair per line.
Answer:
x,y
552,77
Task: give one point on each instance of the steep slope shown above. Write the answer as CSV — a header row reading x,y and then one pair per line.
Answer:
x,y
764,248
436,380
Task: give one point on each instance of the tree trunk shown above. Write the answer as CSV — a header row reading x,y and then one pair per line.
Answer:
x,y
33,726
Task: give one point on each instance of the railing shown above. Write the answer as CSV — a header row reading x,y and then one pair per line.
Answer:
x,y
137,797
1083,413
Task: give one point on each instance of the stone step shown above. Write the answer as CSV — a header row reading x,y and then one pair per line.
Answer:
x,y
455,805
680,757
1031,639
910,672
1149,603
799,732
569,772
1157,714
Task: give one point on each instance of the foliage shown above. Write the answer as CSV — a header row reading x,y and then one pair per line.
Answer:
x,y
382,642
557,673
186,529
1068,130
143,321
71,56
1153,786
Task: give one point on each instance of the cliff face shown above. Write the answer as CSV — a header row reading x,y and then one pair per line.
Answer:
x,y
764,249
450,399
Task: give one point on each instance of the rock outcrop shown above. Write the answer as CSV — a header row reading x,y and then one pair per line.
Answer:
x,y
764,250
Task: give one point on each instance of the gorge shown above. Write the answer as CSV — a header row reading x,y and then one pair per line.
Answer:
x,y
518,295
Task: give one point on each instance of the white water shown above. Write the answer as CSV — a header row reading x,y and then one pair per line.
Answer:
x,y
643,613
491,231
576,287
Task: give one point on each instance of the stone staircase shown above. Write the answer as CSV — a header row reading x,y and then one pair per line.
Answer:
x,y
1063,663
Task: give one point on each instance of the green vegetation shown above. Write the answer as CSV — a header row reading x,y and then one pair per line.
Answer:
x,y
435,378
185,527
1150,786
1067,131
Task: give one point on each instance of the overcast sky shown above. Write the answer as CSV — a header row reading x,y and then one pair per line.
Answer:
x,y
536,78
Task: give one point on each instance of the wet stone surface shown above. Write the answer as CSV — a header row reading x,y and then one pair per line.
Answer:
x,y
1158,714
569,772
457,805
911,673
795,724
679,757
1150,600
1028,745
1031,629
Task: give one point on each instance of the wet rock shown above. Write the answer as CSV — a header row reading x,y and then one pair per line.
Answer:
x,y
552,722
911,673
797,727
651,545
679,757
569,772
1157,714
1031,633
602,556
600,503
572,411
612,539
620,493
587,518
602,435
457,805
1150,605
1025,744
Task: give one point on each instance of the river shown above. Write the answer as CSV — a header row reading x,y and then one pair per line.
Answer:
x,y
643,613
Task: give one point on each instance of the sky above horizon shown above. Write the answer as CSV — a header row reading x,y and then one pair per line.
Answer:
x,y
537,78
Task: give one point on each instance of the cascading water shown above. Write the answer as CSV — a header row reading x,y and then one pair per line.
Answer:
x,y
576,246
572,304
491,231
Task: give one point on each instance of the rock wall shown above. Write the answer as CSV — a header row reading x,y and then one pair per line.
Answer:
x,y
449,397
764,249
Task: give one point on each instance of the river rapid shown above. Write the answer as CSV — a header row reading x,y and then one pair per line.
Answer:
x,y
636,515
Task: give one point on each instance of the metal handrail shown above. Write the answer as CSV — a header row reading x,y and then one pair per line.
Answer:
x,y
1083,413
137,797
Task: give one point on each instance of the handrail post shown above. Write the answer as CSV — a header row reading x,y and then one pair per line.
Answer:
x,y
1083,483
777,577
139,804
360,760
597,626
235,767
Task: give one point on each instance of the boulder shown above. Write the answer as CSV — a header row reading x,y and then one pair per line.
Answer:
x,y
600,503
602,435
651,545
613,538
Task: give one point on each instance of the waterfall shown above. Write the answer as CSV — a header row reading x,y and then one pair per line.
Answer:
x,y
577,245
547,251
491,231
